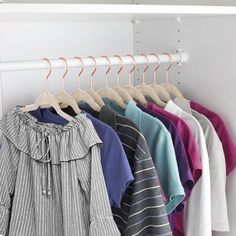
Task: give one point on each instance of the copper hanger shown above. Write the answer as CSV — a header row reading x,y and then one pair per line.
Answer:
x,y
94,71
108,70
110,93
48,75
80,95
160,91
118,72
91,91
158,66
81,71
168,68
145,69
65,73
131,72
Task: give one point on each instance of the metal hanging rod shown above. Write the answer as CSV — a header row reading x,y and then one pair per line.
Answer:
x,y
178,58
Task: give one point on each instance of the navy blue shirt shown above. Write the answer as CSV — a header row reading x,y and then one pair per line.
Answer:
x,y
115,165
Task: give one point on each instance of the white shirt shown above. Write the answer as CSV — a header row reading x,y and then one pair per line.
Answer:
x,y
217,165
197,219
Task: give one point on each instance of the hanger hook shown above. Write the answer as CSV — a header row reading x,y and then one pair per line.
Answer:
x,y
118,72
146,68
168,68
49,73
158,66
64,75
109,68
131,74
81,71
94,71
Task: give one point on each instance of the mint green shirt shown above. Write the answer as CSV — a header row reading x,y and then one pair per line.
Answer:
x,y
162,151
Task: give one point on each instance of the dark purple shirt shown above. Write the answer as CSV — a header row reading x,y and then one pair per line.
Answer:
x,y
181,156
115,165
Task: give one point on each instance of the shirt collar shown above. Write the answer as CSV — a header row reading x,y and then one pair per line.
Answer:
x,y
108,116
133,112
172,107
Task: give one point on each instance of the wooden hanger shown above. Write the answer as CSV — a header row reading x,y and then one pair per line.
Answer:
x,y
47,99
110,93
121,91
170,88
163,94
134,92
148,91
80,95
65,98
91,91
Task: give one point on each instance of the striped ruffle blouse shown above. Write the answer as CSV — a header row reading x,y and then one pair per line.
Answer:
x,y
51,180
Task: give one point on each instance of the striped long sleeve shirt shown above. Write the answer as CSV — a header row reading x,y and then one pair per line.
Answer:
x,y
51,180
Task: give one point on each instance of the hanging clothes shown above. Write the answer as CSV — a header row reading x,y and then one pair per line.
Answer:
x,y
142,209
116,169
197,218
219,213
161,149
181,156
187,138
50,177
219,125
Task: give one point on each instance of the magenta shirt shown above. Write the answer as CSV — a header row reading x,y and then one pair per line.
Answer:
x,y
219,125
187,138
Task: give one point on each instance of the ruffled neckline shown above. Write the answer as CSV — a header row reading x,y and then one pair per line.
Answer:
x,y
66,142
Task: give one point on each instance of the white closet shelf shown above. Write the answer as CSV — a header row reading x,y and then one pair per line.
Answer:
x,y
94,12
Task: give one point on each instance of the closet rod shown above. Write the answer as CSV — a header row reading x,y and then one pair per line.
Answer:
x,y
101,61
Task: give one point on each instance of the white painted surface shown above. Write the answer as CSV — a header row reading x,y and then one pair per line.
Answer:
x,y
208,77
20,41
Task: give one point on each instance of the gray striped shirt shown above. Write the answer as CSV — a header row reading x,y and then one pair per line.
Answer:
x,y
51,180
142,209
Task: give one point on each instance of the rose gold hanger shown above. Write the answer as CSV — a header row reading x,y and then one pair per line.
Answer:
x,y
108,92
146,90
46,99
80,95
170,88
133,91
161,92
63,97
96,97
121,91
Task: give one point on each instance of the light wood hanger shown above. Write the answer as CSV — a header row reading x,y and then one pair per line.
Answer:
x,y
80,95
121,91
65,98
163,94
91,91
47,99
134,92
108,92
148,91
170,88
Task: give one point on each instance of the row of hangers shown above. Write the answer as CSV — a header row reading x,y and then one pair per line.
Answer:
x,y
159,93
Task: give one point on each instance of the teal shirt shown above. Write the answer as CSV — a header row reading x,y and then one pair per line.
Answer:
x,y
162,151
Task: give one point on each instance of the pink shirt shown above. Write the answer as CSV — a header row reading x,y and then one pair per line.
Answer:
x,y
226,140
187,138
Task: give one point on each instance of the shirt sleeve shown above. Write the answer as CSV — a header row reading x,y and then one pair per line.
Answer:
x,y
101,220
8,163
116,168
167,169
143,211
